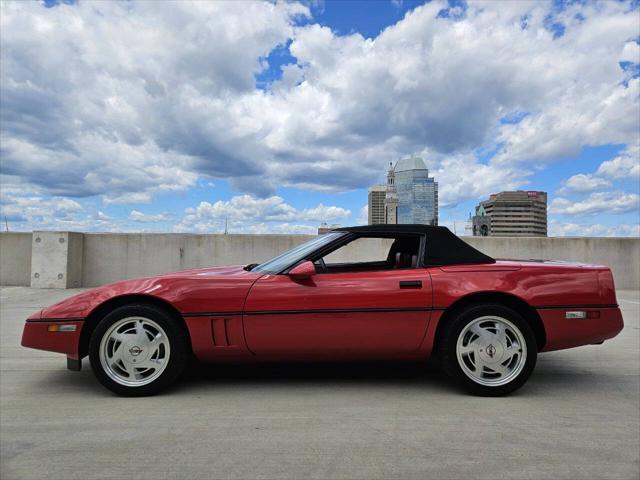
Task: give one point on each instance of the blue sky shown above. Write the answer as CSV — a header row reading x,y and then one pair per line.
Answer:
x,y
142,116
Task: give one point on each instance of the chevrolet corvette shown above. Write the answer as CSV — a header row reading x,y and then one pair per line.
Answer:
x,y
383,292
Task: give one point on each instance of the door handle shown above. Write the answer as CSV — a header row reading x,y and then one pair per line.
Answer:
x,y
410,283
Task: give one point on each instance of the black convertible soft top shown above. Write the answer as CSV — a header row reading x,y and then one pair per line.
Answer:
x,y
443,247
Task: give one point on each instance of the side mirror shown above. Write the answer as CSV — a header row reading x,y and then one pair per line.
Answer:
x,y
303,271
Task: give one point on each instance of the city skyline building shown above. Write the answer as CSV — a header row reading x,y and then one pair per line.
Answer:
x,y
512,214
376,213
417,192
391,198
410,196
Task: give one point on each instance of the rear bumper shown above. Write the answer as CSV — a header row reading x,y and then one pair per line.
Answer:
x,y
567,333
36,334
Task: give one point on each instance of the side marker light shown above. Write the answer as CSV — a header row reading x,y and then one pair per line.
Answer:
x,y
61,328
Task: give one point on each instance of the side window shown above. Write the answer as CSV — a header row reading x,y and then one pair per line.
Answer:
x,y
372,254
361,250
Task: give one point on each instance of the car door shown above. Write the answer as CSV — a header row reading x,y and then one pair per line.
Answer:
x,y
339,315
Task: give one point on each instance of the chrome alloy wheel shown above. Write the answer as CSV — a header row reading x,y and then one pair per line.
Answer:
x,y
491,351
134,351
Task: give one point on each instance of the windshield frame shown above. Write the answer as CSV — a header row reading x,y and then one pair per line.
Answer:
x,y
286,260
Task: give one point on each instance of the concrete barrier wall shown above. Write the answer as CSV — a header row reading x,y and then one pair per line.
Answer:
x,y
15,258
110,257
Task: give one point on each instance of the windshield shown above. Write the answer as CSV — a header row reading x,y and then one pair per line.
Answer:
x,y
279,263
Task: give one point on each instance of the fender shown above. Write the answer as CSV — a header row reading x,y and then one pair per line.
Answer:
x,y
206,298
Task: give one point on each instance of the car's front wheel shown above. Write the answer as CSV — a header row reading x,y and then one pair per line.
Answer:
x,y
138,350
490,349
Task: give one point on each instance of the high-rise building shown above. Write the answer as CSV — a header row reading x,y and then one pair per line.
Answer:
x,y
410,196
377,195
391,198
512,214
417,192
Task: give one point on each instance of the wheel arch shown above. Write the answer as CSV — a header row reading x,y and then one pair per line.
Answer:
x,y
507,299
100,311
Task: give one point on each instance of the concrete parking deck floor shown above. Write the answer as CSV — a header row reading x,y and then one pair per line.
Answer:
x,y
578,417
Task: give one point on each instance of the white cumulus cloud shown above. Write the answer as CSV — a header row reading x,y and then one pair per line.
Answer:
x,y
127,100
584,183
250,212
137,216
561,229
599,202
624,166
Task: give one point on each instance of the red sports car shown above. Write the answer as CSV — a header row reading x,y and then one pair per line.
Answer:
x,y
398,292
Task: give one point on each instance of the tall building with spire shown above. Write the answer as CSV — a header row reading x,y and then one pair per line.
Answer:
x,y
410,196
391,197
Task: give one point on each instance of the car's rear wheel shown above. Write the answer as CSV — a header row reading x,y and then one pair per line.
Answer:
x,y
490,349
138,350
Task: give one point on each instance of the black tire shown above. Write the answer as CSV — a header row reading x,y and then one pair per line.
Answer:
x,y
178,341
451,363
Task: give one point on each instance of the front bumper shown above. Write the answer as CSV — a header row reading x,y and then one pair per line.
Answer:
x,y
567,333
37,334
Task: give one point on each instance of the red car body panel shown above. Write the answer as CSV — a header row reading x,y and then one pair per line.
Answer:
x,y
338,314
562,333
234,314
537,283
36,335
